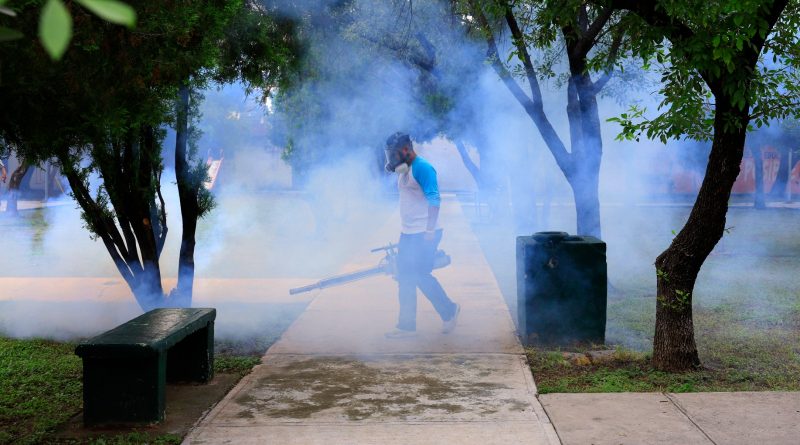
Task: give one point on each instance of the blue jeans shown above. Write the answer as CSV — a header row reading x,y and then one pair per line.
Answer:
x,y
414,266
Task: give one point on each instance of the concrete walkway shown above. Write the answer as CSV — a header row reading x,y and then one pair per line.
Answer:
x,y
333,378
738,418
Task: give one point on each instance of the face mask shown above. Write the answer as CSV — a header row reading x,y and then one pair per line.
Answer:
x,y
395,162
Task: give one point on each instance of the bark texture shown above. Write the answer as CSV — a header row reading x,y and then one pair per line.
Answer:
x,y
190,210
14,184
674,347
130,217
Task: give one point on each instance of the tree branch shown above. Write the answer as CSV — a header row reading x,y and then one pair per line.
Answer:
x,y
522,53
771,17
674,30
586,39
162,218
468,162
534,105
613,53
88,205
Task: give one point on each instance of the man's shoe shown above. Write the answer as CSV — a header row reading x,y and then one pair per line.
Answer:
x,y
449,325
400,333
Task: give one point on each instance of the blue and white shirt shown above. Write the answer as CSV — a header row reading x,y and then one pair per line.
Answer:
x,y
418,189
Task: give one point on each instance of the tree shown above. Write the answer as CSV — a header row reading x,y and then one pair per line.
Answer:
x,y
715,83
592,39
100,112
14,183
256,50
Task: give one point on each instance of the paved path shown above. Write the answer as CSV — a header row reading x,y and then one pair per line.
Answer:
x,y
738,418
333,378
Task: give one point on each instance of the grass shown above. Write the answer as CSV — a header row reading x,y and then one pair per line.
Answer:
x,y
137,438
746,303
630,371
235,365
41,388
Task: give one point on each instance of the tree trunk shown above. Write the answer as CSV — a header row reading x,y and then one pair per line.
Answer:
x,y
778,190
587,203
144,279
188,194
148,291
469,164
758,193
14,183
674,347
587,149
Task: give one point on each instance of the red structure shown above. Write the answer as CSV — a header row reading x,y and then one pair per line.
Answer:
x,y
684,181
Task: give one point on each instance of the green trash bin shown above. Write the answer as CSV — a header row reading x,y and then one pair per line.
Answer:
x,y
561,289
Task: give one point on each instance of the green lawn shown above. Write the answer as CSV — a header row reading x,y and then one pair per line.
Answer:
x,y
746,303
40,387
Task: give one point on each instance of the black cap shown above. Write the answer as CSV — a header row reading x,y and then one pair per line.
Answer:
x,y
398,141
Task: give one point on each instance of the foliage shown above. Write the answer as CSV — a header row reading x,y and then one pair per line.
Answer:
x,y
55,22
102,110
259,48
717,35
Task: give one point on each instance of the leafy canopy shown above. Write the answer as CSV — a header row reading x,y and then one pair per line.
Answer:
x,y
707,59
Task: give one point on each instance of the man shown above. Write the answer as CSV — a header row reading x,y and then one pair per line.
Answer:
x,y
3,173
419,238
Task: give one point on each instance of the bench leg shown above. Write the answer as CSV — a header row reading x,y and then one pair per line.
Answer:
x,y
192,359
123,390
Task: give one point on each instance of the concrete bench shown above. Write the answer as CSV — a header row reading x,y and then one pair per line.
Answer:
x,y
125,370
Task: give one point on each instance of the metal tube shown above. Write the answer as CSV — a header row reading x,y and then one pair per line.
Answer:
x,y
340,279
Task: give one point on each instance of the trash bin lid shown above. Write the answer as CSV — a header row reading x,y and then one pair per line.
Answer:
x,y
552,237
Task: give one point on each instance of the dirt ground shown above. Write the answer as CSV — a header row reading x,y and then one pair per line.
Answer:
x,y
186,404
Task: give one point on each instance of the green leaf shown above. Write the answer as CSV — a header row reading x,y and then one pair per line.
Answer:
x,y
7,34
112,11
55,28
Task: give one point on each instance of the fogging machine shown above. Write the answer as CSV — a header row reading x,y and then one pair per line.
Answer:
x,y
386,266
